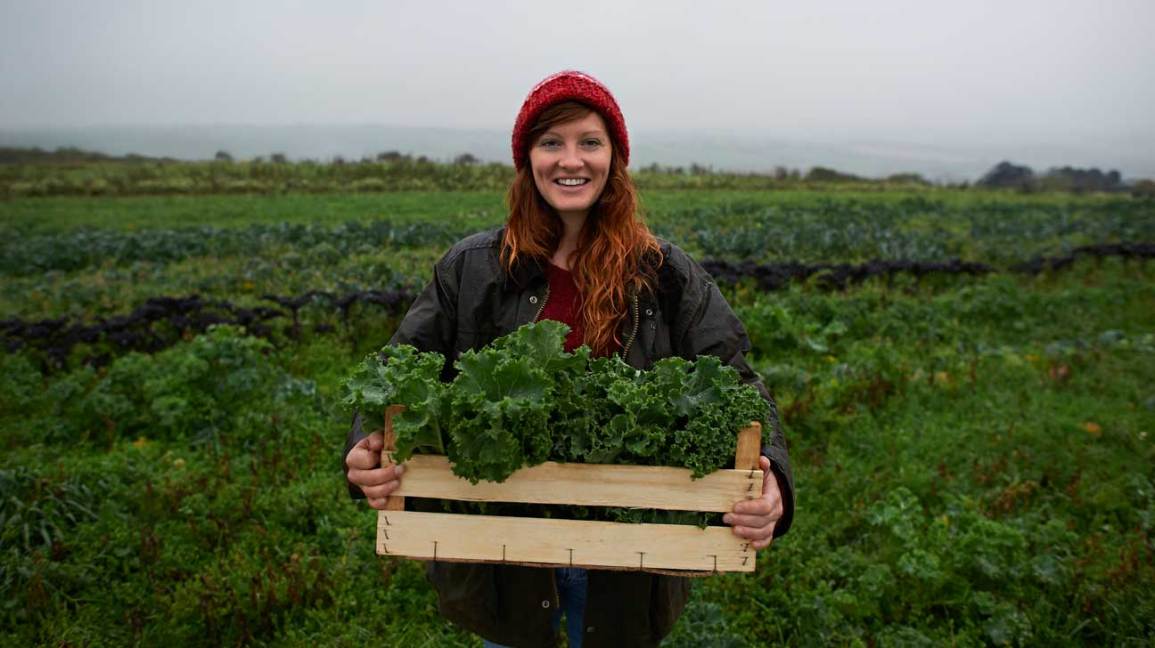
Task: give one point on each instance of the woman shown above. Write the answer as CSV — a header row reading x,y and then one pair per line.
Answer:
x,y
574,249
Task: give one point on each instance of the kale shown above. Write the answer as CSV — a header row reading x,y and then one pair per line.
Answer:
x,y
523,400
400,375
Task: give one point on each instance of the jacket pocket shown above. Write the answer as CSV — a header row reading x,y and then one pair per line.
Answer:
x,y
466,593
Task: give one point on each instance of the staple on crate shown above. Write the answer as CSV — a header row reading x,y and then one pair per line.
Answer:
x,y
570,556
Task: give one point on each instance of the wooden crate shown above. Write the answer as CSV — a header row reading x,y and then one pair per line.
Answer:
x,y
661,548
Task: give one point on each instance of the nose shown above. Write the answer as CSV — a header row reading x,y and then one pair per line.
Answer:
x,y
570,159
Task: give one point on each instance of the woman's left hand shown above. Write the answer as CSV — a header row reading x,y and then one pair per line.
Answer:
x,y
755,519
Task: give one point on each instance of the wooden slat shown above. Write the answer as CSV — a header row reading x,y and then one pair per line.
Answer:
x,y
749,447
393,502
580,543
653,487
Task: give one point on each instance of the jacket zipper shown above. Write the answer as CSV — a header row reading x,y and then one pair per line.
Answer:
x,y
634,333
544,299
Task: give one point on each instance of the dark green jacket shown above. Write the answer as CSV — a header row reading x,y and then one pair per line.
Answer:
x,y
470,302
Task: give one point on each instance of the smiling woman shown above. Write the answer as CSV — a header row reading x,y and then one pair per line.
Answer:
x,y
574,249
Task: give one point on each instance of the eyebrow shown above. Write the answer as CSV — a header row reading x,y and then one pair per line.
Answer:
x,y
585,134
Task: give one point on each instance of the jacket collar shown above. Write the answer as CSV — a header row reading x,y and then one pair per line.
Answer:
x,y
524,273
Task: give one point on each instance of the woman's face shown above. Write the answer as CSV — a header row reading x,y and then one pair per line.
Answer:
x,y
570,164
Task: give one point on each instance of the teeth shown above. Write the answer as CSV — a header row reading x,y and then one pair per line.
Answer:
x,y
572,182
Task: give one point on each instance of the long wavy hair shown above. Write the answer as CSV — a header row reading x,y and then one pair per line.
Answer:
x,y
616,258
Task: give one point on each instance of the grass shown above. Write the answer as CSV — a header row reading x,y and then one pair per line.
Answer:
x,y
973,456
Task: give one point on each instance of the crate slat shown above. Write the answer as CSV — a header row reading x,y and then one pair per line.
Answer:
x,y
654,487
662,548
393,502
580,543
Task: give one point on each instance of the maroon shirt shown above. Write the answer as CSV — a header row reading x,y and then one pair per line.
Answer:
x,y
564,305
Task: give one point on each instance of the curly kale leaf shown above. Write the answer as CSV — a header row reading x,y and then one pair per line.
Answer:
x,y
711,405
501,399
544,343
582,420
400,375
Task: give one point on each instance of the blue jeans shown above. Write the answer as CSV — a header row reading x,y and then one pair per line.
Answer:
x,y
572,584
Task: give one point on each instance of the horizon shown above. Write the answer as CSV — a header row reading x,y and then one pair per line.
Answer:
x,y
717,149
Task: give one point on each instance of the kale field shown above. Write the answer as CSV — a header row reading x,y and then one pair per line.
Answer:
x,y
966,378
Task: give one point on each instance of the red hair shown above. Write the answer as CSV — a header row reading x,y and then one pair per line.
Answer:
x,y
616,255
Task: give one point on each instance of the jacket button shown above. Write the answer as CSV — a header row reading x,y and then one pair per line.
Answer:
x,y
590,629
545,604
649,312
533,299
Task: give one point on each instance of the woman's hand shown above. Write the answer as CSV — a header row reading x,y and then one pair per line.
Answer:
x,y
755,519
365,471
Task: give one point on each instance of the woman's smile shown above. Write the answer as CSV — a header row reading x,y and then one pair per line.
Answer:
x,y
572,185
571,163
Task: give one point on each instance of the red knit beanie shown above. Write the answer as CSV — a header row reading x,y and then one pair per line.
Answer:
x,y
569,85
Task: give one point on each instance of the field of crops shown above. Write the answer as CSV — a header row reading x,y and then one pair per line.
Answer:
x,y
967,382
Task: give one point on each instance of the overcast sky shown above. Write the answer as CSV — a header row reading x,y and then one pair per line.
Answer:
x,y
922,70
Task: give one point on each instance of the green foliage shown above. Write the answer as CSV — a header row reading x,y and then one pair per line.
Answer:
x,y
36,512
973,455
93,247
523,400
196,391
400,375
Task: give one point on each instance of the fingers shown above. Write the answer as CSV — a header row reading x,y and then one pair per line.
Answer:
x,y
755,521
376,476
761,506
760,537
365,471
366,453
770,504
764,542
373,493
378,484
376,442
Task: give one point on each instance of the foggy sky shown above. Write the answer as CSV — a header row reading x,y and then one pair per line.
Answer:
x,y
926,71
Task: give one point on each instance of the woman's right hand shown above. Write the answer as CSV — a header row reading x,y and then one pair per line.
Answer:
x,y
365,471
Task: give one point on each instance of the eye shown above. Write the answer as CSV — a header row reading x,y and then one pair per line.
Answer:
x,y
591,142
549,142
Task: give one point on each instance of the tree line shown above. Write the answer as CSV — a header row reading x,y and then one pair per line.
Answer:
x,y
74,171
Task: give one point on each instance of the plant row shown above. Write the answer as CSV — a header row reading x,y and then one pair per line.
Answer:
x,y
161,321
256,177
913,227
816,229
85,248
775,276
